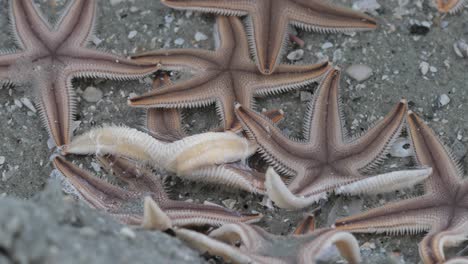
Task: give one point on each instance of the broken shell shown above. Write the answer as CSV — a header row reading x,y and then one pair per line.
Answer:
x,y
461,48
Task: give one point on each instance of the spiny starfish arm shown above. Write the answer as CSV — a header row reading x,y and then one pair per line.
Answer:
x,y
346,243
154,217
227,8
76,23
307,225
96,192
322,16
431,248
429,151
283,197
196,92
204,244
193,60
450,6
278,150
90,63
164,124
30,29
385,182
232,175
408,216
288,77
192,214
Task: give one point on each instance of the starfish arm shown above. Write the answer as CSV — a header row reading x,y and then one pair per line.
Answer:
x,y
321,16
98,64
408,216
97,193
229,8
346,243
205,244
431,152
385,182
306,226
193,60
30,28
457,260
432,246
450,6
154,218
282,153
76,23
231,175
286,78
165,124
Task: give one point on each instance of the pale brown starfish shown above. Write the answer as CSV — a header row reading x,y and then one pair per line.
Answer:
x,y
327,160
242,243
224,76
442,210
51,56
126,204
268,21
450,6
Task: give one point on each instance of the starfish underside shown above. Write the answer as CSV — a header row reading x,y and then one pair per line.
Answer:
x,y
223,77
268,21
242,243
442,210
125,204
214,157
327,160
51,56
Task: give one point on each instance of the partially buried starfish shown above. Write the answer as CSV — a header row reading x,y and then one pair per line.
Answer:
x,y
442,210
242,243
328,159
216,157
51,56
224,76
450,6
268,21
126,204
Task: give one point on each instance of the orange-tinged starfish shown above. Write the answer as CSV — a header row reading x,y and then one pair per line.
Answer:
x,y
51,56
268,21
442,210
450,6
224,76
328,160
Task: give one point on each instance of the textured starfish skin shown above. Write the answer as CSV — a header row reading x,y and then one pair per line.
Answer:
x,y
50,57
327,160
450,6
259,246
268,21
141,183
214,157
224,76
442,210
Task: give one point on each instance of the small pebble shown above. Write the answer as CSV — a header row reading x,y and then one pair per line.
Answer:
x,y
296,55
400,148
359,72
444,100
128,233
92,94
461,48
179,41
25,101
327,45
2,160
200,36
424,67
132,34
229,203
115,2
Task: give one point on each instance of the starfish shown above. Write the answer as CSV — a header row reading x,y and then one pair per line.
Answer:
x,y
450,6
51,56
141,183
268,21
442,210
258,246
215,157
224,76
327,160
